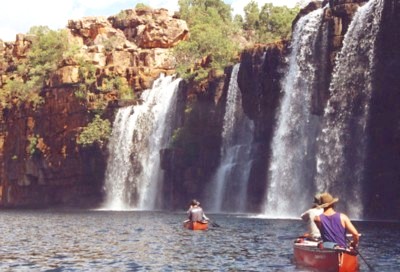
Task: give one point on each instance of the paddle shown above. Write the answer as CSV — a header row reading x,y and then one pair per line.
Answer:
x,y
362,257
213,223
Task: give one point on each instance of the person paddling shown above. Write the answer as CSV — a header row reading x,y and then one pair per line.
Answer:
x,y
333,225
195,212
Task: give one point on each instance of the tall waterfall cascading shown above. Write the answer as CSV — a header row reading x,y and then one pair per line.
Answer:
x,y
228,188
293,146
343,141
117,172
133,174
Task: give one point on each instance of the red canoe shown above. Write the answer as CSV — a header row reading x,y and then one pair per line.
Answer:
x,y
307,253
195,225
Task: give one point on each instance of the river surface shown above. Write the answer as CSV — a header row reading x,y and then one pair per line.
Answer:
x,y
53,240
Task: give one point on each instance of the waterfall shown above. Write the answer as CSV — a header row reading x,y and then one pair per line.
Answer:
x,y
343,140
228,188
133,174
293,144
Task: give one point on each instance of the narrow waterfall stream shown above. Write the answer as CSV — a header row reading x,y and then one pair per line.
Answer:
x,y
294,141
343,141
133,174
228,188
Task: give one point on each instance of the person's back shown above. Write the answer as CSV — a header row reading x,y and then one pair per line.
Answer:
x,y
196,214
333,225
332,229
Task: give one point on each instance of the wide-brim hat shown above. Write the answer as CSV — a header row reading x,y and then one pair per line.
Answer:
x,y
326,200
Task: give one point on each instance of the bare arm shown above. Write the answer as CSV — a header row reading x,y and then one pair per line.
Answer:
x,y
350,228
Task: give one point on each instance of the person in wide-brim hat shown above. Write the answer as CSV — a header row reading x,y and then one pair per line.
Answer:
x,y
333,225
326,200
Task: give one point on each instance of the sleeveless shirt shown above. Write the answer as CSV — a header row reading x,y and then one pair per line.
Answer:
x,y
332,229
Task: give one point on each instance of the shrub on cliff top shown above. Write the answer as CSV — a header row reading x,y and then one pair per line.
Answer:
x,y
270,23
46,52
211,27
216,38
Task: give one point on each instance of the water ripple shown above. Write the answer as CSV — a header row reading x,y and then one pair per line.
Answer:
x,y
155,241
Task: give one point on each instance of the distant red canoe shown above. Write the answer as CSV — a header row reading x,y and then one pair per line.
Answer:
x,y
195,225
307,253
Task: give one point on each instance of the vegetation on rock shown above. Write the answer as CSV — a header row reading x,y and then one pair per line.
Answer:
x,y
210,45
98,131
32,147
118,83
186,139
270,23
216,38
45,55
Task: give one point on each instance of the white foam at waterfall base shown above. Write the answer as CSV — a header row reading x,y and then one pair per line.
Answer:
x,y
343,139
133,174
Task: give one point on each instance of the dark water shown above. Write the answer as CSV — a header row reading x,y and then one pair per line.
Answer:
x,y
155,241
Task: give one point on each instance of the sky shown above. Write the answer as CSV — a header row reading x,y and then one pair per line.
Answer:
x,y
18,16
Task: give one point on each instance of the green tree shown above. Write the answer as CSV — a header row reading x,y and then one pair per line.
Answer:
x,y
98,131
211,29
141,6
269,24
187,8
47,51
45,55
238,21
251,14
275,22
120,84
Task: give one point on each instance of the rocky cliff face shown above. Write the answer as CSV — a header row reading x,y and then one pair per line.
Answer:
x,y
189,165
384,154
40,161
259,80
